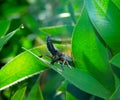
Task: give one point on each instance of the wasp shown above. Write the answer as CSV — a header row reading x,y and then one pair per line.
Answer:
x,y
57,55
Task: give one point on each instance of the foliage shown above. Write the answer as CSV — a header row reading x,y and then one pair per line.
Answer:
x,y
88,30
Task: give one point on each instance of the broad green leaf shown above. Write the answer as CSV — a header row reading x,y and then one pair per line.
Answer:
x,y
116,60
28,64
90,55
20,68
19,94
105,16
5,39
4,26
83,81
24,66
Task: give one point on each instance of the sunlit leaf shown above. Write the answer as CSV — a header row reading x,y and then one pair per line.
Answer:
x,y
28,64
24,66
21,67
83,80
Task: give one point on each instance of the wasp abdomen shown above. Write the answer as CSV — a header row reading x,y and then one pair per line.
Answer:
x,y
50,46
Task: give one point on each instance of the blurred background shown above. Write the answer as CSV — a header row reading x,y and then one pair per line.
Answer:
x,y
34,15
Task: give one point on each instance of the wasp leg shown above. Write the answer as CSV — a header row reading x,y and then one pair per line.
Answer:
x,y
55,59
45,56
68,64
63,63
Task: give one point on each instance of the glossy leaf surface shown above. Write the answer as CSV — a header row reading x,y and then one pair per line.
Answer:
x,y
105,17
90,55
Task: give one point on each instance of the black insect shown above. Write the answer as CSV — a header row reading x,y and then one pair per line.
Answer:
x,y
58,56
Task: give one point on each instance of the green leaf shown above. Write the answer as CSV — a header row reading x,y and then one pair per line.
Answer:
x,y
90,55
70,97
28,64
24,66
55,79
116,60
116,95
63,86
35,93
20,93
63,30
105,16
83,81
4,26
21,67
5,39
